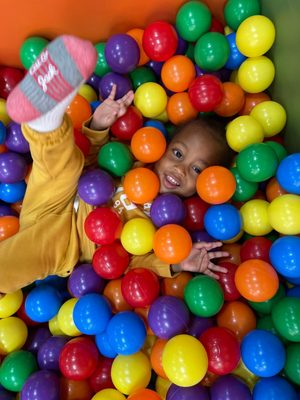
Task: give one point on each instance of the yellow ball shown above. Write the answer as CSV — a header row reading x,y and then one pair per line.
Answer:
x,y
256,74
13,334
284,214
54,327
247,376
137,236
151,99
10,303
255,217
130,373
65,318
243,131
184,360
271,115
235,238
3,113
162,386
255,36
163,117
88,93
109,394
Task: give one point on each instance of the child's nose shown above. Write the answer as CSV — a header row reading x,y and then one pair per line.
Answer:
x,y
180,169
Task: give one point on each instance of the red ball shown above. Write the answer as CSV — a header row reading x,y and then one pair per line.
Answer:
x,y
223,350
227,282
140,287
206,92
195,212
78,359
128,124
82,142
256,247
110,261
103,225
160,40
9,78
101,378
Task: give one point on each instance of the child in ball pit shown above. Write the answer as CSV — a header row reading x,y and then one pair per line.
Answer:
x,y
51,239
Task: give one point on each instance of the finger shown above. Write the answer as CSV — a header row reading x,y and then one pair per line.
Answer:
x,y
126,99
210,273
207,245
113,92
214,267
217,254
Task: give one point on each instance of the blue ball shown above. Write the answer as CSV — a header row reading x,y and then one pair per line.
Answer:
x,y
43,303
263,353
95,104
126,332
274,388
2,132
235,58
288,173
293,291
92,313
223,221
12,192
285,256
158,125
103,345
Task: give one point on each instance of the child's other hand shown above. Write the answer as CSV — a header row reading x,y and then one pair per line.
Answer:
x,y
110,110
199,259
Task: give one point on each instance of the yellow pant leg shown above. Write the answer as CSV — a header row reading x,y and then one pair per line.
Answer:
x,y
47,242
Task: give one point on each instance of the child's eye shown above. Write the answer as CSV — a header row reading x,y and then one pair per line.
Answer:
x,y
177,153
197,170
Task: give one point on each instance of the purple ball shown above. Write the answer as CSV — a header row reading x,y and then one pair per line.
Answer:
x,y
181,46
13,167
36,338
122,53
15,140
94,81
196,392
201,236
41,385
156,67
84,280
48,353
199,325
223,74
168,316
96,187
111,78
166,209
229,387
6,210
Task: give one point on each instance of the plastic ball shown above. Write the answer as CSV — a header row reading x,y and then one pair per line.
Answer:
x,y
172,243
236,11
276,387
148,144
13,167
141,185
251,100
212,51
10,303
142,75
84,280
160,40
122,82
284,214
41,384
223,221
231,387
103,225
243,131
130,373
109,394
235,58
140,287
30,50
288,173
156,357
256,74
175,286
137,236
101,377
226,280
232,101
271,115
9,78
193,19
286,318
150,99
12,192
82,142
144,394
255,36
124,127
65,318
265,307
102,68
256,280
110,261
79,110
195,212
104,346
71,390
215,185
126,333
244,189
96,187
180,108
291,368
115,158
9,226
256,247
13,334
15,140
285,256
205,92
166,209
43,303
88,93
203,296
177,73
255,217
122,53
49,351
137,35
184,360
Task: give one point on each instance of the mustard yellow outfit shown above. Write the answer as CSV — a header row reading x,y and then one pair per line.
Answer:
x,y
51,239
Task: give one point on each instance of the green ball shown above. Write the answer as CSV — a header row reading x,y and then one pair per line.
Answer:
x,y
190,52
16,369
280,150
102,67
212,51
257,162
115,158
142,75
244,189
30,49
236,11
286,318
292,364
193,20
204,296
265,307
266,323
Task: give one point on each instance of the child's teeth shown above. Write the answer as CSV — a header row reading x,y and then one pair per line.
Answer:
x,y
172,180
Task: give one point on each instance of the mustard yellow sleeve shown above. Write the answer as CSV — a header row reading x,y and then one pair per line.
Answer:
x,y
97,140
150,261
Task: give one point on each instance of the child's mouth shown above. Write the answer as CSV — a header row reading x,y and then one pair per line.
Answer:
x,y
170,182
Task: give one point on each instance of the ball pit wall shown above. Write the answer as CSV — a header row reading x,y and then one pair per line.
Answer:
x,y
98,20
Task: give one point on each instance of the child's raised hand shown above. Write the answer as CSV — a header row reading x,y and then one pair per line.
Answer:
x,y
110,110
199,259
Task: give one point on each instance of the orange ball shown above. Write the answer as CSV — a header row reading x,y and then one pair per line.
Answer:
x,y
9,226
148,144
251,100
143,313
156,357
238,317
3,148
180,108
75,390
144,394
79,111
273,190
175,286
137,35
256,280
232,101
177,73
234,250
215,185
113,293
172,243
141,185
